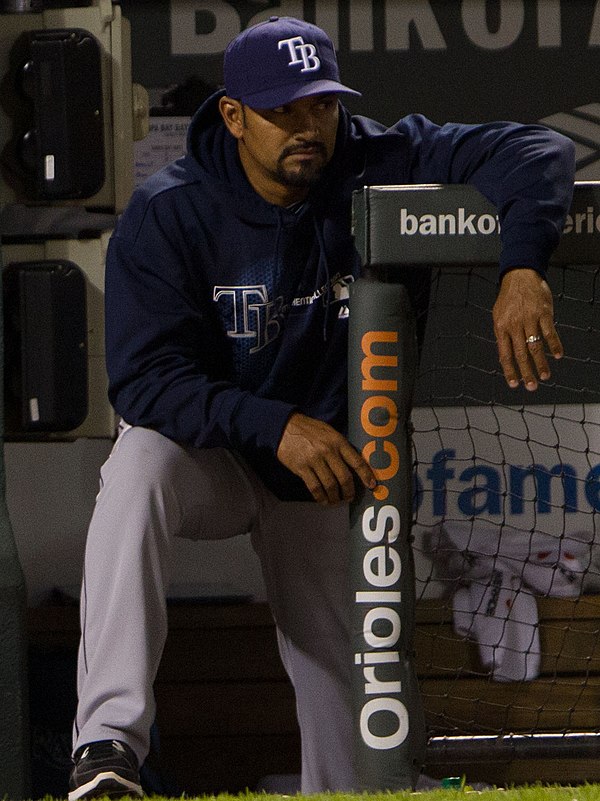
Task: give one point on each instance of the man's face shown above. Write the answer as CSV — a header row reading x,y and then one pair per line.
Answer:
x,y
284,150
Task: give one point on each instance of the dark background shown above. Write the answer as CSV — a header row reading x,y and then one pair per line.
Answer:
x,y
522,70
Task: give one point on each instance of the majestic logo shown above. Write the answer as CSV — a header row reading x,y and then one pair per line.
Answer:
x,y
301,53
339,289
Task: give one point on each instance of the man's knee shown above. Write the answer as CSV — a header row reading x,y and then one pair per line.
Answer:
x,y
144,456
204,489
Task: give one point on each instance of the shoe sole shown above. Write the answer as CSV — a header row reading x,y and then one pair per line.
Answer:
x,y
108,783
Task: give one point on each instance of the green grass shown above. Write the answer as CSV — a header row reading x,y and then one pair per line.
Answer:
x,y
586,792
533,793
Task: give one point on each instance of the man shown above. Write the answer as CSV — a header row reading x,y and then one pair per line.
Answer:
x,y
226,351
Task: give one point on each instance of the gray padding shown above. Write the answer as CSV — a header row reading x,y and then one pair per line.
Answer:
x,y
388,715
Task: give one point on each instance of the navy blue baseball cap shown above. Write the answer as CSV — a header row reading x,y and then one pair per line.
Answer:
x,y
283,59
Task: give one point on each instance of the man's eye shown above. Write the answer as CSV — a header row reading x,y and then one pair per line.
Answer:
x,y
328,103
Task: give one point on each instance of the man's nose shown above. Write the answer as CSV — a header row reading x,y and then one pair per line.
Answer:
x,y
308,123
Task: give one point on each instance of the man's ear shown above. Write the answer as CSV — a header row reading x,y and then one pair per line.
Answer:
x,y
231,111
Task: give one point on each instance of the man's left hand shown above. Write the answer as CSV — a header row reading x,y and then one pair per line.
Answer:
x,y
524,326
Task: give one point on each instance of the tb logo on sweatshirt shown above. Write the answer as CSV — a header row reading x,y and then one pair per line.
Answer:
x,y
249,314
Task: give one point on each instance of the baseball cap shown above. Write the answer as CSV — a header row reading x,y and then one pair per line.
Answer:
x,y
280,60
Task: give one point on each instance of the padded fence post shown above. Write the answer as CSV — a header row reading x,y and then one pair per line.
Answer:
x,y
390,738
14,705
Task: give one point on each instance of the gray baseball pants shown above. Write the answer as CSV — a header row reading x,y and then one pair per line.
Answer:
x,y
152,490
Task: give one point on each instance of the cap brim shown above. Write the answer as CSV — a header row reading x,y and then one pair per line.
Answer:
x,y
281,95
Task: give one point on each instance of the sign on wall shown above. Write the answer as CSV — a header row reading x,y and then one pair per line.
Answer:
x,y
466,60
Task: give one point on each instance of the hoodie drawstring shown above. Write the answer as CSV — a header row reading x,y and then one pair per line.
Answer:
x,y
323,268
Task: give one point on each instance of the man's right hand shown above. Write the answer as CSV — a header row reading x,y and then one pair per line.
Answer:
x,y
323,459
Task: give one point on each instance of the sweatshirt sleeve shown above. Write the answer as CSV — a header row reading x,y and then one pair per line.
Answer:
x,y
526,171
164,355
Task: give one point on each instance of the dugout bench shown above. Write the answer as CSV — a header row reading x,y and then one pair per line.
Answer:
x,y
226,709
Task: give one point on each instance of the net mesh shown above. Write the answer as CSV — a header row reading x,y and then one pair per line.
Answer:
x,y
507,490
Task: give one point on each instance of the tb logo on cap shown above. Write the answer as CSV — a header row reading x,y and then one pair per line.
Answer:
x,y
301,53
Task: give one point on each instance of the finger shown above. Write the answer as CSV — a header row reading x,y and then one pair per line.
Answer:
x,y
516,361
506,359
547,324
345,479
525,364
344,475
360,466
537,348
535,345
552,338
314,486
334,477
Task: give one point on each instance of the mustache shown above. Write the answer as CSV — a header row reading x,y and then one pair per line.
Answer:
x,y
312,144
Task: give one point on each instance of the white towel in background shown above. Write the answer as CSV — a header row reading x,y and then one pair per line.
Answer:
x,y
502,618
500,570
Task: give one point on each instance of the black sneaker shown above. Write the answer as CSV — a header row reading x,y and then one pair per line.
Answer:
x,y
107,767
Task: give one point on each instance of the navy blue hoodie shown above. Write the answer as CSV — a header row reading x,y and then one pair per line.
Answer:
x,y
225,313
